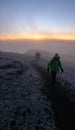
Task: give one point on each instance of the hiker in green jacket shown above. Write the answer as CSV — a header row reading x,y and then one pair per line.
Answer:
x,y
54,65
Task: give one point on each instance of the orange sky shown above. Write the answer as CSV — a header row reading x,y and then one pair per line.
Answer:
x,y
39,36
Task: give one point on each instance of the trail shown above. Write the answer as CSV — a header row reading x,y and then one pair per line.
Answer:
x,y
30,102
64,107
23,105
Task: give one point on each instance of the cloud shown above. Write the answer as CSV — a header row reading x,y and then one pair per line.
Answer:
x,y
39,36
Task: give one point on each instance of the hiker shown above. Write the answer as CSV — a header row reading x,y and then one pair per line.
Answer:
x,y
37,56
54,65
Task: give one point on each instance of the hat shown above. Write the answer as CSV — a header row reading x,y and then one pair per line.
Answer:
x,y
57,56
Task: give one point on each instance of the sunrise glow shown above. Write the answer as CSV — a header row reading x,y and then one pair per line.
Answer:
x,y
39,36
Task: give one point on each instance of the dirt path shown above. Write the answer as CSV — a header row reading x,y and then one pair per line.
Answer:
x,y
64,108
23,105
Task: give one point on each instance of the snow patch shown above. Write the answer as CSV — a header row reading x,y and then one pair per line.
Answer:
x,y
23,105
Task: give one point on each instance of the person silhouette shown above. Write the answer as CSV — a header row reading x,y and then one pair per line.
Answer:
x,y
54,65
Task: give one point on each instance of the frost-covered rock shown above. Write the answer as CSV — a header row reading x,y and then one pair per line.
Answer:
x,y
9,68
23,106
67,80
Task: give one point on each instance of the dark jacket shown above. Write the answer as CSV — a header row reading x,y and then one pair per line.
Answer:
x,y
54,65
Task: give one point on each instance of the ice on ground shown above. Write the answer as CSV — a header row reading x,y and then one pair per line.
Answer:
x,y
23,106
9,67
67,80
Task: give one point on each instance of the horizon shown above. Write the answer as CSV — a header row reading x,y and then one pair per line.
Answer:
x,y
22,46
37,20
32,24
42,36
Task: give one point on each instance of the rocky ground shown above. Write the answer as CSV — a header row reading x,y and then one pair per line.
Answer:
x,y
23,105
28,101
63,100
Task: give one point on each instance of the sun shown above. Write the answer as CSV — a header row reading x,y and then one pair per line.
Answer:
x,y
37,37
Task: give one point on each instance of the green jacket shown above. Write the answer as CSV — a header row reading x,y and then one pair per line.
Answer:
x,y
54,65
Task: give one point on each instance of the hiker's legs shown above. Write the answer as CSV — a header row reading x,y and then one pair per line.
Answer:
x,y
53,76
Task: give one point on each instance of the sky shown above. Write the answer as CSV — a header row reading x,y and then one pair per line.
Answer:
x,y
37,19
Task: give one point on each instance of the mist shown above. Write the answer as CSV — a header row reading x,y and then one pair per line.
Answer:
x,y
22,46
